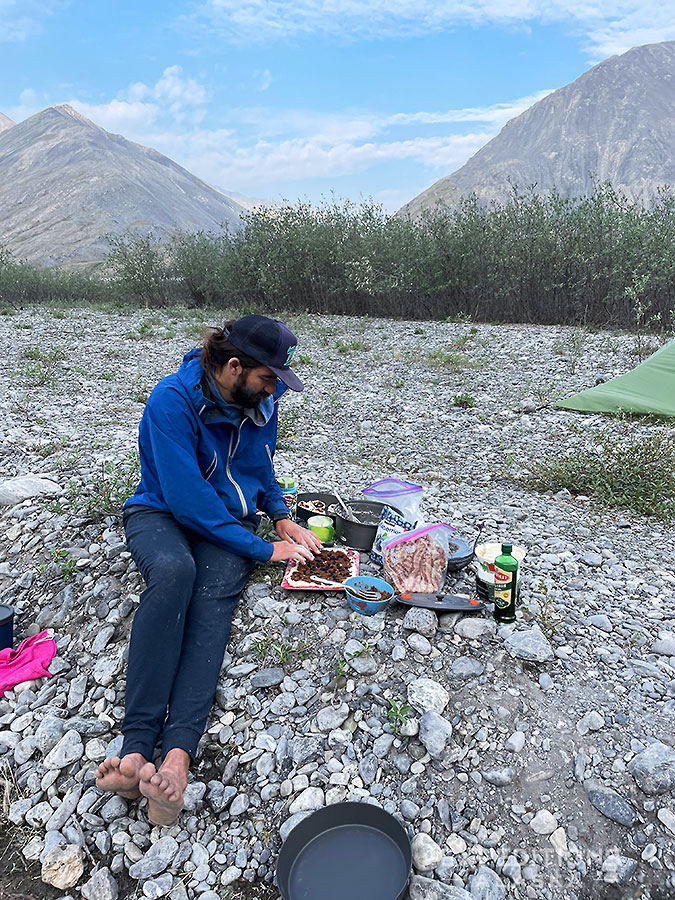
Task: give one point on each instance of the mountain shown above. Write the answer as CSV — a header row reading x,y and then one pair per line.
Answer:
x,y
5,122
615,123
65,184
251,203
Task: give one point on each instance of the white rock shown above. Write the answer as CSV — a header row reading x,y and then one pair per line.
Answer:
x,y
311,798
425,694
426,854
618,869
665,645
473,628
487,885
516,742
101,886
63,866
456,843
24,487
591,721
667,818
559,840
231,874
544,822
530,645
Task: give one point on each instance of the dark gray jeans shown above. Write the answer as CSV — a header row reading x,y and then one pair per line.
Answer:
x,y
180,630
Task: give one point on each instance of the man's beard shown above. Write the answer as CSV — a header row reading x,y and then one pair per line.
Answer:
x,y
243,395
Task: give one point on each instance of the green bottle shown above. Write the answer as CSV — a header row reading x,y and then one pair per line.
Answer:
x,y
506,585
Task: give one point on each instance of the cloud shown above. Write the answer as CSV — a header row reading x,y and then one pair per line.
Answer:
x,y
497,114
648,24
264,79
20,19
220,157
268,122
118,115
174,98
606,26
172,90
267,146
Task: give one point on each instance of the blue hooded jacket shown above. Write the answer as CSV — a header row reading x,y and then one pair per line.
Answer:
x,y
206,472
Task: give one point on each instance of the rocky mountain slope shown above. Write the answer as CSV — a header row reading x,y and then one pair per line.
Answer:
x,y
615,123
5,122
251,203
66,184
535,760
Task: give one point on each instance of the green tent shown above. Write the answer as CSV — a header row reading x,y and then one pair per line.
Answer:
x,y
649,388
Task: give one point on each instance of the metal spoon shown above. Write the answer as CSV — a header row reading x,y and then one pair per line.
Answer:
x,y
363,593
347,509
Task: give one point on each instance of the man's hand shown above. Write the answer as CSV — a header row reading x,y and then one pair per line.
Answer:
x,y
283,550
288,530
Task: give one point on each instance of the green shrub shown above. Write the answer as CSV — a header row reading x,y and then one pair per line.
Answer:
x,y
454,362
287,429
594,261
464,401
632,473
115,484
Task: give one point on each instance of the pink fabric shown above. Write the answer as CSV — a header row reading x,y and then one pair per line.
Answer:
x,y
29,660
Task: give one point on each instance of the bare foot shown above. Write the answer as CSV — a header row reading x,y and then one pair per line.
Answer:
x,y
121,775
164,787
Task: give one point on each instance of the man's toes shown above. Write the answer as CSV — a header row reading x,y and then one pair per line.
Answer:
x,y
147,771
129,768
107,766
168,788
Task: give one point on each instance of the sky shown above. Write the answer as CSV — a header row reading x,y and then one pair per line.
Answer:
x,y
310,99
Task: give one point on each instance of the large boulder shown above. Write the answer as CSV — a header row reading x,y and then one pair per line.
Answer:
x,y
654,769
25,487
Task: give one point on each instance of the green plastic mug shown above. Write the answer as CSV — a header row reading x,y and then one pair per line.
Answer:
x,y
322,526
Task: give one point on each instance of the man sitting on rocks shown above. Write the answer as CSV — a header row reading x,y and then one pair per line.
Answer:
x,y
206,442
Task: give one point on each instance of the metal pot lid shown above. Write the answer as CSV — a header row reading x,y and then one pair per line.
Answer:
x,y
346,850
442,602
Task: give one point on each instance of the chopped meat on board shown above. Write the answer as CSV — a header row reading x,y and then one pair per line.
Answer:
x,y
335,565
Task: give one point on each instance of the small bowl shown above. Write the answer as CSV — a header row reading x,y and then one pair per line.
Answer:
x,y
461,557
367,607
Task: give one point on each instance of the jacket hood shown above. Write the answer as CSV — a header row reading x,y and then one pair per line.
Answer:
x,y
190,375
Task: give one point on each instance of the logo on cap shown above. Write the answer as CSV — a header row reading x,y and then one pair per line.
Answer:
x,y
289,354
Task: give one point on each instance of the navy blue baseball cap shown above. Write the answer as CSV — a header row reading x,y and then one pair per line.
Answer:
x,y
269,342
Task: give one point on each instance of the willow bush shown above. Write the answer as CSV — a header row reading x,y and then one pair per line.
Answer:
x,y
601,260
22,284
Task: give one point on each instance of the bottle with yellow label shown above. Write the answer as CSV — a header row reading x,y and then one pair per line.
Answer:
x,y
506,585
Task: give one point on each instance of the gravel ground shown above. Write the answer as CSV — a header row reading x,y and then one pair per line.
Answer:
x,y
536,760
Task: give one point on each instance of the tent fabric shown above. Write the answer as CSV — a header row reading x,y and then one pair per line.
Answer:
x,y
649,388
